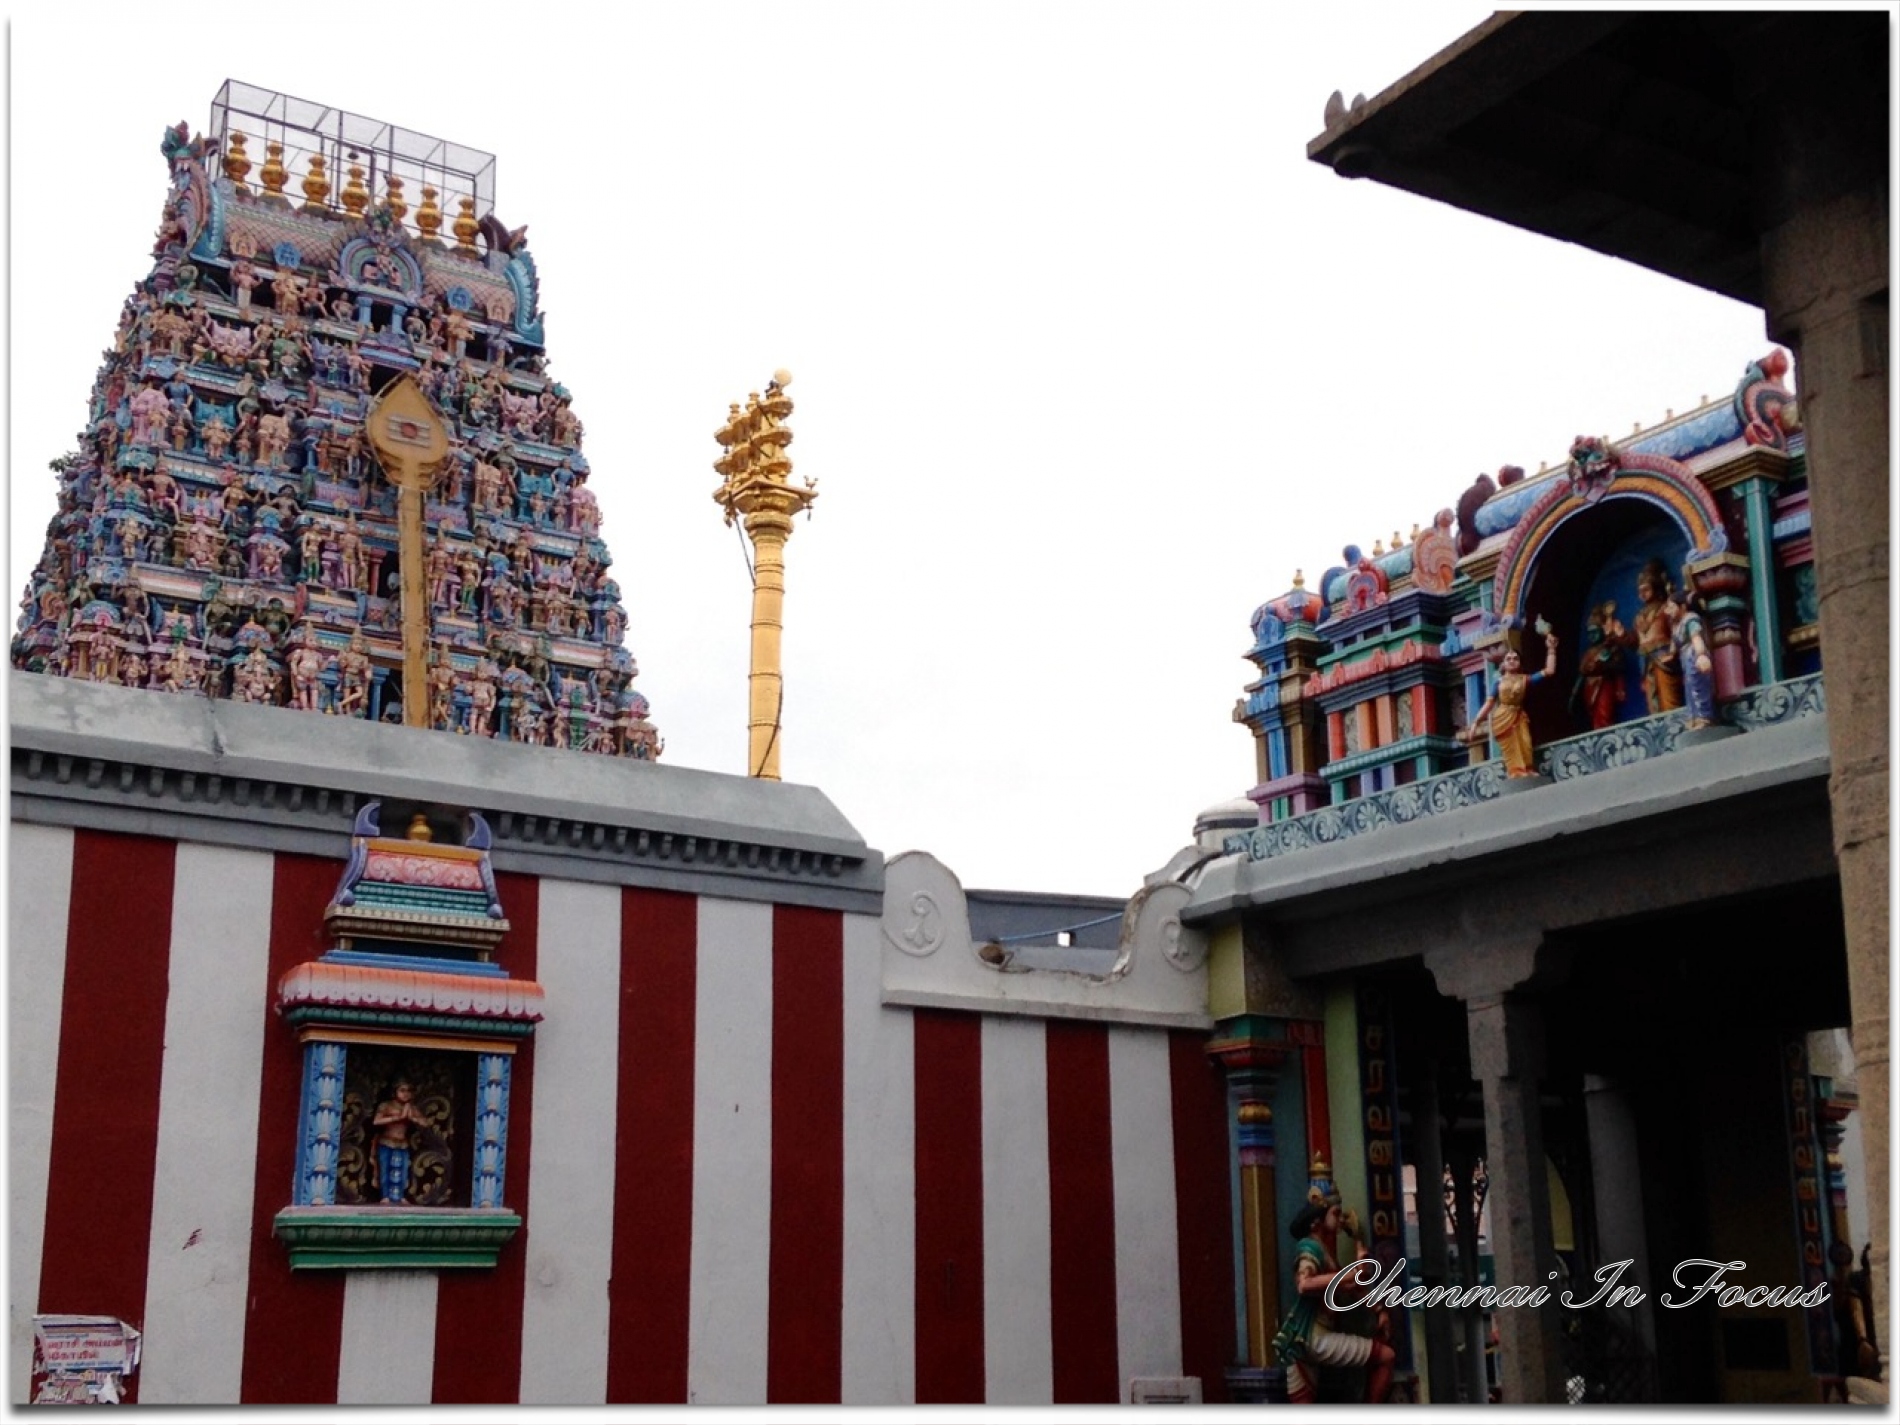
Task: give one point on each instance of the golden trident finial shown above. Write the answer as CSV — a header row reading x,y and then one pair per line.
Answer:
x,y
757,489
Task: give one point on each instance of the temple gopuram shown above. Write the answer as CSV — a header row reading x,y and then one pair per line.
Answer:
x,y
443,1070
225,528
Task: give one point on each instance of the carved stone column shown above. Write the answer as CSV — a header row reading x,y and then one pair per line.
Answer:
x,y
1826,294
1434,1259
1507,1059
1616,1178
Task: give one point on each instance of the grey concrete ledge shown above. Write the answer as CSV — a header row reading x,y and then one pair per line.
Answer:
x,y
120,759
1457,844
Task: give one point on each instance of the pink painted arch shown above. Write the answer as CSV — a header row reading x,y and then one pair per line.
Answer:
x,y
1654,479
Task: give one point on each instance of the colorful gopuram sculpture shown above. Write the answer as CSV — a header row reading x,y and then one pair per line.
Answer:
x,y
1663,585
225,528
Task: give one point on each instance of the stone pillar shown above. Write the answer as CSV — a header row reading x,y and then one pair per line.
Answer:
x,y
1826,291
1507,1059
1477,1385
1434,1261
1259,1216
1252,1064
1616,1179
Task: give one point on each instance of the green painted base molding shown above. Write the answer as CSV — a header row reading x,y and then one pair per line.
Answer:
x,y
392,1238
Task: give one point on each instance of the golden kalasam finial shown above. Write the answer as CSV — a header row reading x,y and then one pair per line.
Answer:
x,y
756,489
1378,550
355,191
393,199
273,175
237,163
1398,543
1299,578
429,216
316,186
466,227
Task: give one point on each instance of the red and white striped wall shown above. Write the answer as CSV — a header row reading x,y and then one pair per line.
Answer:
x,y
744,1180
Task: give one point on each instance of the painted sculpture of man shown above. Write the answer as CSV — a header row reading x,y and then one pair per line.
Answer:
x,y
354,674
1599,686
1510,721
1311,1339
306,668
1654,637
395,1116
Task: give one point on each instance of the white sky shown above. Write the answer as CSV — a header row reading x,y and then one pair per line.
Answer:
x,y
1088,357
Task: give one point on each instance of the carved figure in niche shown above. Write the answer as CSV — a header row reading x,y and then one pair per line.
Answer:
x,y
255,680
355,450
441,560
201,550
469,568
487,485
180,675
181,430
245,442
310,547
1693,662
481,699
1654,639
178,391
164,492
107,432
150,409
131,533
1510,723
243,279
216,436
519,415
350,550
503,601
288,290
441,687
353,677
1599,686
172,329
456,328
306,668
395,1117
527,721
1311,1339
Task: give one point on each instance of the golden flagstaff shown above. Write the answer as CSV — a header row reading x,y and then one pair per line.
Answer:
x,y
756,473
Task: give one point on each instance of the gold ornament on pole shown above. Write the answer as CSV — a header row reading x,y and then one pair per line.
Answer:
x,y
410,443
757,489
